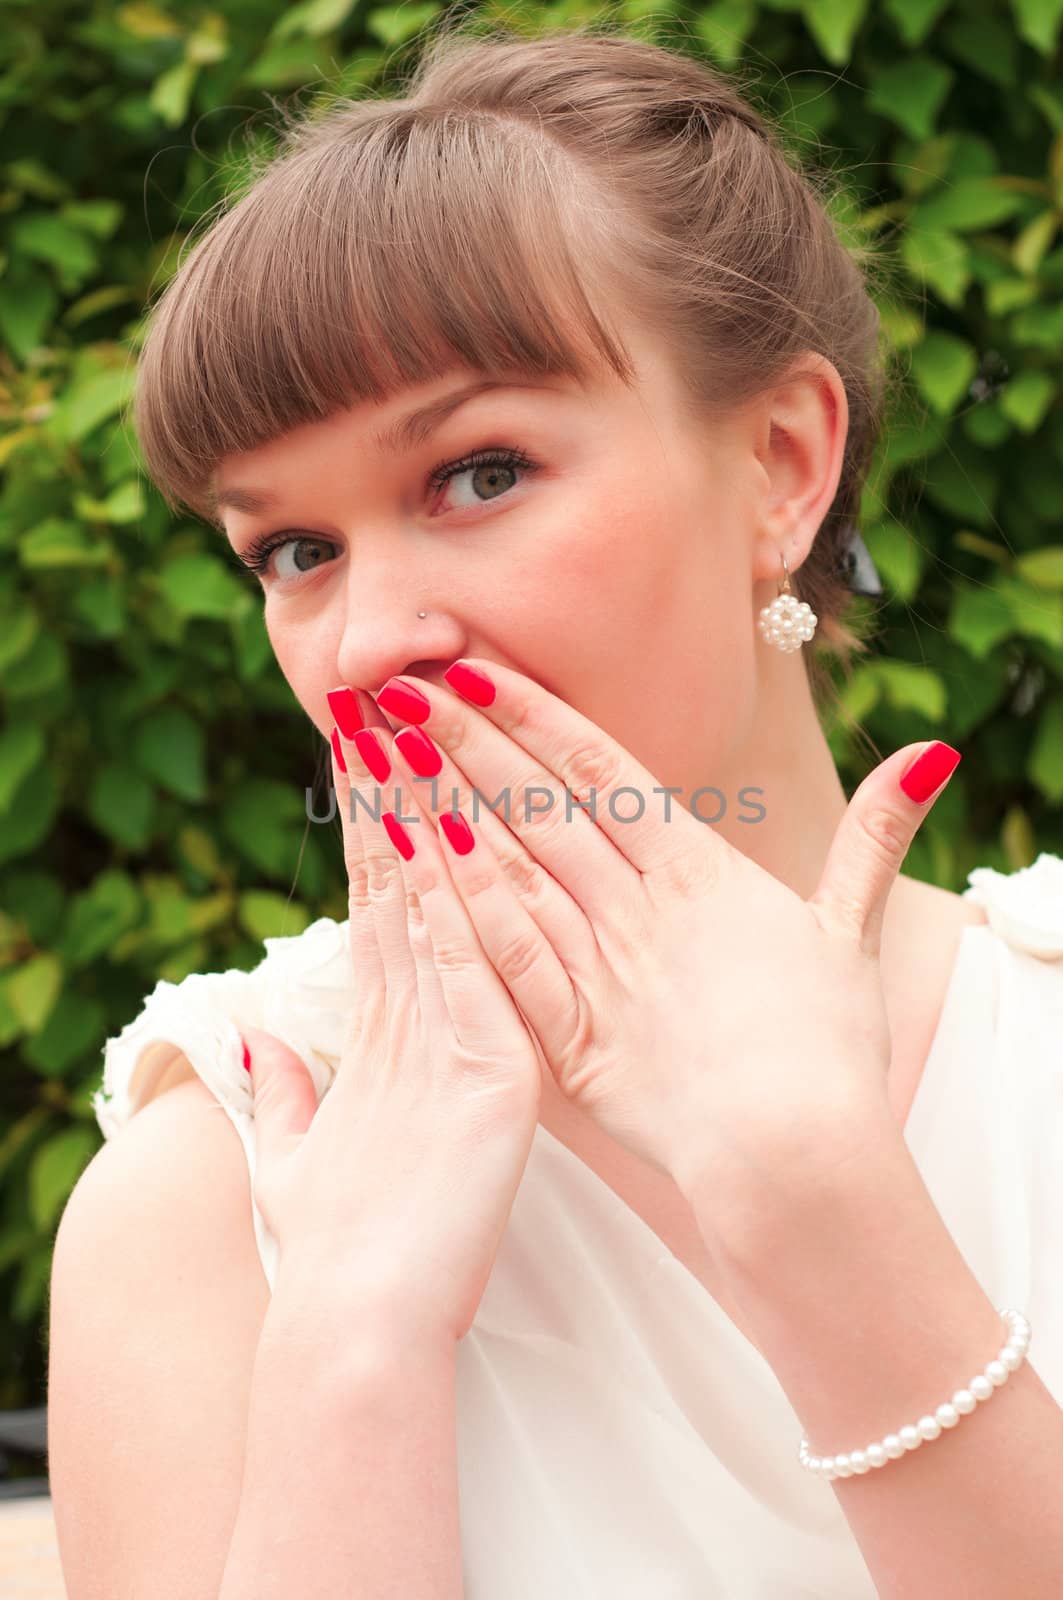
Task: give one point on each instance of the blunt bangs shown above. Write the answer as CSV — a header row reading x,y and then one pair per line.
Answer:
x,y
387,244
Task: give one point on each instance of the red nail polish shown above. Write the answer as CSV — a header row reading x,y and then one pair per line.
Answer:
x,y
419,751
372,753
337,750
470,682
398,835
343,703
401,699
247,1056
928,772
457,831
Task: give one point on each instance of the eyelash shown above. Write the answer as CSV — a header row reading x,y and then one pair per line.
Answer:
x,y
256,557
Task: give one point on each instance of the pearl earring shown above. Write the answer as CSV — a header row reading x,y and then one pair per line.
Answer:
x,y
788,622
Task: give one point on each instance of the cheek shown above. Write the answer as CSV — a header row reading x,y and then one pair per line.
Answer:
x,y
305,664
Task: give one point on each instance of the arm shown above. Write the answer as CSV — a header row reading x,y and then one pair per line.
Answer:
x,y
854,1290
350,1476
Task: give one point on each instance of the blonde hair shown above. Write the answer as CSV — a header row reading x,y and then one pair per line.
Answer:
x,y
501,214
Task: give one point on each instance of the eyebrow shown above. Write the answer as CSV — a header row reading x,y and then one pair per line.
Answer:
x,y
404,434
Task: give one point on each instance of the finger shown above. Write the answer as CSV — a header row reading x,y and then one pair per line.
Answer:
x,y
366,960
550,912
555,777
377,886
478,1004
545,986
873,838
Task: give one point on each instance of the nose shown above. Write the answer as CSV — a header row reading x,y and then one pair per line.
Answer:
x,y
383,636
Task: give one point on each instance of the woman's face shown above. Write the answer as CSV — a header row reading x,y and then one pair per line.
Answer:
x,y
613,560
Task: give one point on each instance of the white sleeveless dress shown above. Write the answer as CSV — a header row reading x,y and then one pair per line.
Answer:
x,y
617,1434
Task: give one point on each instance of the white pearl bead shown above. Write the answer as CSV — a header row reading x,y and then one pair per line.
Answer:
x,y
947,1415
876,1454
1009,1358
980,1387
893,1446
997,1373
842,1465
964,1401
929,1427
858,1461
910,1437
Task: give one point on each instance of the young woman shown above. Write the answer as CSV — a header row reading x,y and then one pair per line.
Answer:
x,y
644,1122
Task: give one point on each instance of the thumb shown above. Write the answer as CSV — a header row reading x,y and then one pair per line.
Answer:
x,y
869,848
284,1093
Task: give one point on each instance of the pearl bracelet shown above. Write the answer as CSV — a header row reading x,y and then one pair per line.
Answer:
x,y
910,1437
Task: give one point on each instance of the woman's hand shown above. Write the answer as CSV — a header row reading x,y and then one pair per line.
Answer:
x,y
400,1184
702,1012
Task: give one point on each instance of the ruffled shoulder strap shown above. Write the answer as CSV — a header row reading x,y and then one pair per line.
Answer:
x,y
302,991
1025,908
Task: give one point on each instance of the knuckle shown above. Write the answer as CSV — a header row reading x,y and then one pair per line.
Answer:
x,y
525,876
518,955
885,833
589,767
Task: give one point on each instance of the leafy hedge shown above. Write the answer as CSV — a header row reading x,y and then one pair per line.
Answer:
x,y
153,759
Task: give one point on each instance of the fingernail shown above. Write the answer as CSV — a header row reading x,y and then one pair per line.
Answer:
x,y
419,751
470,682
401,699
928,772
343,703
247,1056
372,753
457,831
398,835
337,750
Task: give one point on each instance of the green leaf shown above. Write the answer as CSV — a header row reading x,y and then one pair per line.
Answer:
x,y
124,504
910,92
898,556
833,24
313,18
169,746
17,634
968,203
31,814
266,915
912,688
943,367
393,25
1042,568
90,401
1038,23
199,585
57,543
263,820
27,309
46,237
74,1030
98,217
1036,614
98,916
172,92
32,988
41,668
1045,766
1027,398
21,748
100,602
980,618
55,1169
121,803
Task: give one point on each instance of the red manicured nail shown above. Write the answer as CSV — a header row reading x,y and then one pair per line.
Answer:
x,y
372,753
457,831
343,703
471,682
337,750
398,835
401,699
419,751
929,771
247,1056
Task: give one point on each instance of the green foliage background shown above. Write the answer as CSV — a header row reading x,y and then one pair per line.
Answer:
x,y
152,758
